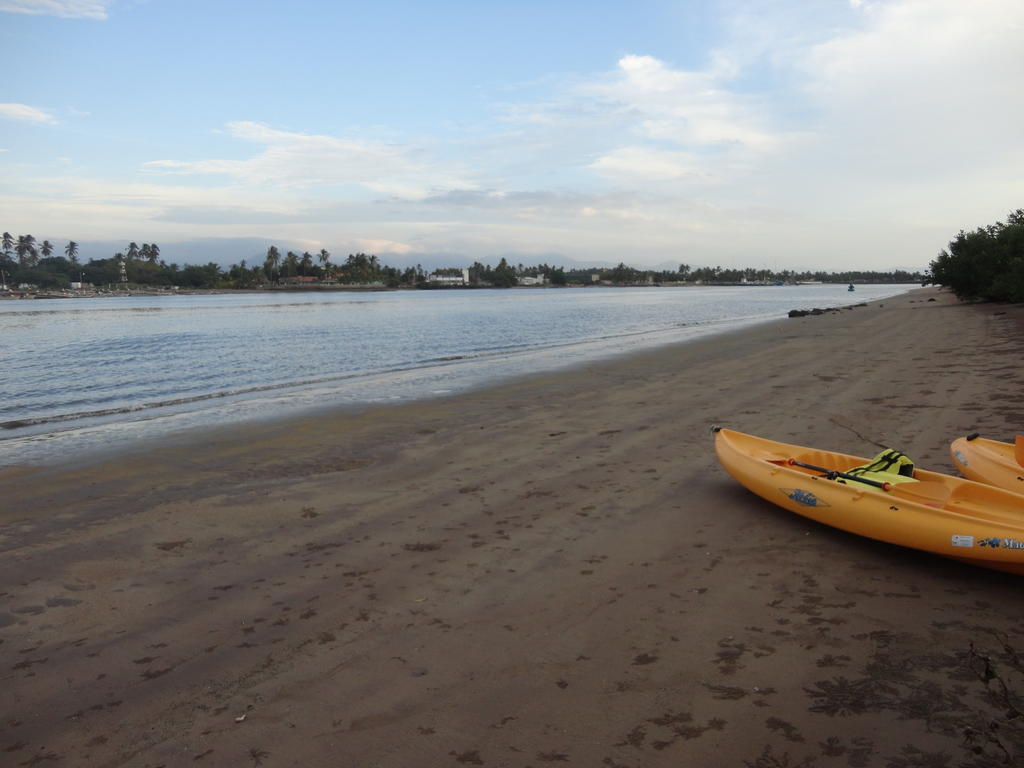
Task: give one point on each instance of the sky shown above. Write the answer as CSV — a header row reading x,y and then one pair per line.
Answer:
x,y
793,134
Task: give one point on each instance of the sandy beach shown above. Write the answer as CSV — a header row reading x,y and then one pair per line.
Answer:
x,y
554,570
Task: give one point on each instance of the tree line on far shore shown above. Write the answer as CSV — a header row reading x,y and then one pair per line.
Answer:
x,y
24,261
986,264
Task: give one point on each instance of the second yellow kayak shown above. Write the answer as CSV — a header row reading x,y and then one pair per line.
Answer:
x,y
990,461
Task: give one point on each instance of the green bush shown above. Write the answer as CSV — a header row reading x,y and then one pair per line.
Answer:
x,y
987,264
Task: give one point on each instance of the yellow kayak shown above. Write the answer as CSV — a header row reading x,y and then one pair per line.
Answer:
x,y
973,522
989,461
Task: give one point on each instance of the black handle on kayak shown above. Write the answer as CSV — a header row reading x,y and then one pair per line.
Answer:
x,y
832,474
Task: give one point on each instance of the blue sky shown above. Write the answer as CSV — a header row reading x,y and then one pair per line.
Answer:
x,y
794,134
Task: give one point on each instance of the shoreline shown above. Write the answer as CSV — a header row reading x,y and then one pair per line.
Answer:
x,y
46,436
113,294
552,569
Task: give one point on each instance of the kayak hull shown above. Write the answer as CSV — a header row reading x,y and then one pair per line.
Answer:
x,y
968,521
988,461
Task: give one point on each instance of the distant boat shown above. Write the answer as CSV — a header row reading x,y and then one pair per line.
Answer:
x,y
850,288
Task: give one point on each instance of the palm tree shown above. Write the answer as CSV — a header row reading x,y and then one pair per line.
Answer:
x,y
291,260
324,257
133,251
26,250
8,243
307,262
71,251
46,249
273,259
154,253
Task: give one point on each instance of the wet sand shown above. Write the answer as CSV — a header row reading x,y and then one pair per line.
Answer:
x,y
554,570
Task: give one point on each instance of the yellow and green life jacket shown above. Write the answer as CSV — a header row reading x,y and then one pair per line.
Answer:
x,y
889,466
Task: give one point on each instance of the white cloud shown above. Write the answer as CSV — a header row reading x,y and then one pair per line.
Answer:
x,y
301,160
924,97
72,9
26,114
647,74
626,214
646,163
84,208
692,109
382,246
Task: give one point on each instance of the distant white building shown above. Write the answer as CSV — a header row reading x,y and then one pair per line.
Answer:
x,y
539,280
449,277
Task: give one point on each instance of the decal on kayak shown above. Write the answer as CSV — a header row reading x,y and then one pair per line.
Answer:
x,y
959,456
806,498
995,543
960,540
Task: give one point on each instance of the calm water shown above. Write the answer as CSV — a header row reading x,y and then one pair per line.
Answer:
x,y
86,374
